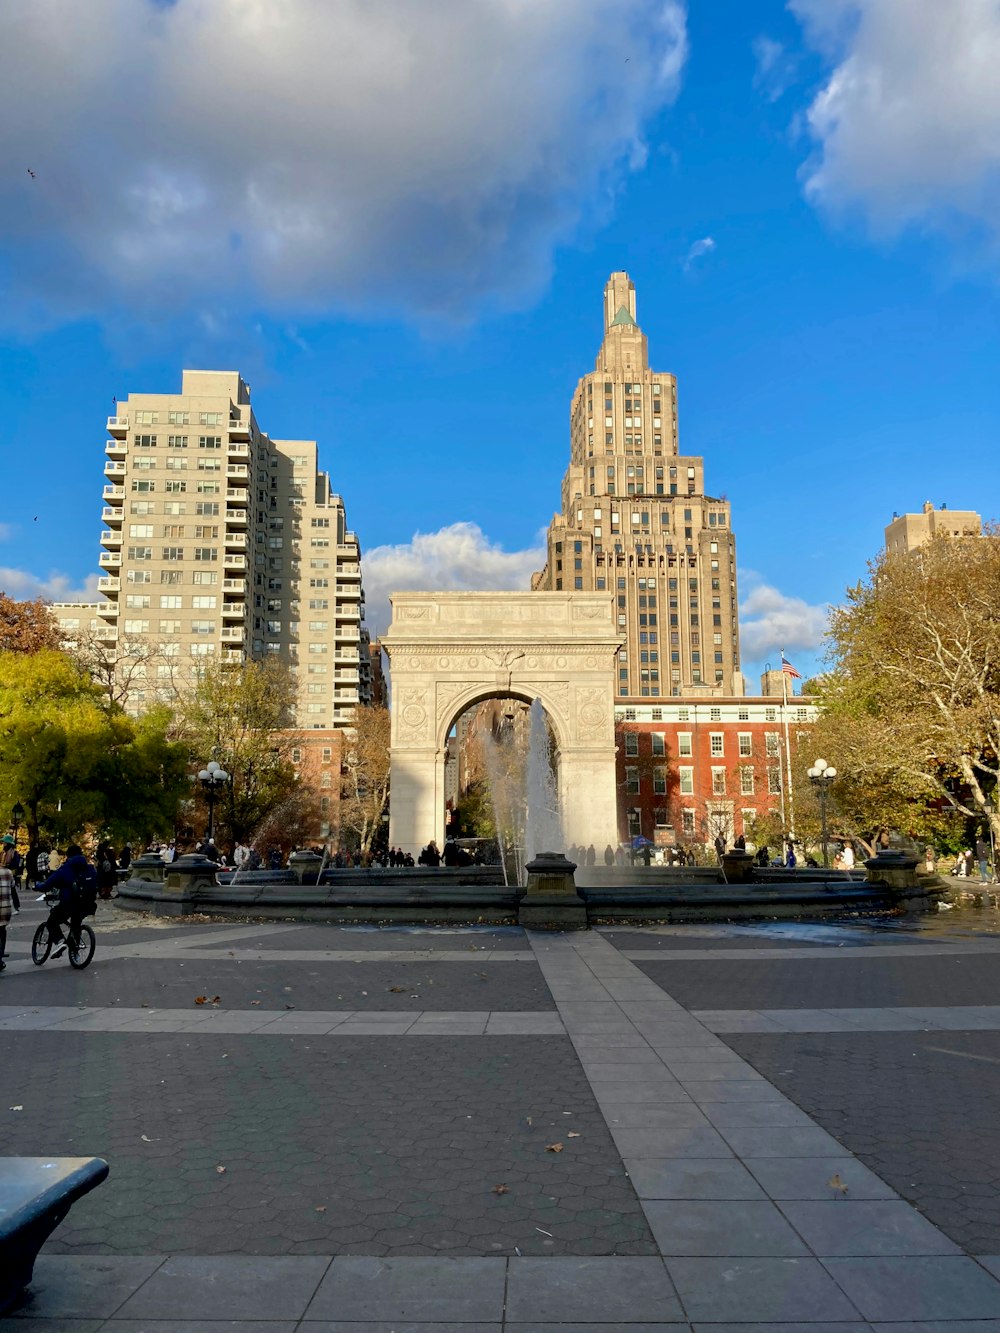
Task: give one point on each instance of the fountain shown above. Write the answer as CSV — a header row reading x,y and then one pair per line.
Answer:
x,y
550,900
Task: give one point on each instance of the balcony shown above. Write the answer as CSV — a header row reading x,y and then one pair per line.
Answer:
x,y
111,514
234,585
109,583
346,634
236,540
110,611
234,611
116,448
238,450
236,493
106,633
113,469
348,612
117,425
231,655
112,539
233,633
239,430
112,492
234,562
238,472
237,518
110,559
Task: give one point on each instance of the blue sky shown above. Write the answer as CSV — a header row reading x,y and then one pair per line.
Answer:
x,y
397,221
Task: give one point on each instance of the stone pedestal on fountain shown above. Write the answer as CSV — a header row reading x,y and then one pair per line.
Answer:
x,y
737,866
551,900
184,876
305,865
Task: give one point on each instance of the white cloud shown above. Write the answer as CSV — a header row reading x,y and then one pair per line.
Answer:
x,y
697,250
771,620
459,556
57,587
293,154
907,126
775,68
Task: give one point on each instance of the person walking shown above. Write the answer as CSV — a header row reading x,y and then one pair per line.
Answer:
x,y
6,909
107,870
983,857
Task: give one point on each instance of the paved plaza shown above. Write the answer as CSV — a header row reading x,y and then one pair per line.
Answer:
x,y
692,1128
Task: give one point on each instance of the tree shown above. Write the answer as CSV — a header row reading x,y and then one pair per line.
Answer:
x,y
241,716
72,762
27,627
124,667
365,782
911,709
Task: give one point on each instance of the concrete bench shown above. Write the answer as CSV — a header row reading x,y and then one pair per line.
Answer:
x,y
36,1193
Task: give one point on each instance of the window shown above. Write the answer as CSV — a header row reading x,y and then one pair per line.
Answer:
x,y
717,744
659,741
170,602
317,647
774,781
170,627
209,464
177,441
687,781
204,576
206,553
144,441
296,756
175,464
718,782
136,626
171,576
207,508
140,530
202,626
771,745
770,715
745,744
631,743
659,781
175,487
632,781
170,553
684,743
140,553
135,600
319,626
203,603
209,418
687,823
143,487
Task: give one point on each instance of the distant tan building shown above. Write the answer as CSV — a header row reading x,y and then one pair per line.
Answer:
x,y
908,531
221,543
636,523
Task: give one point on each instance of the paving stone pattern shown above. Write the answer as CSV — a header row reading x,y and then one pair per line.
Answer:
x,y
920,1109
829,981
168,983
400,1142
468,939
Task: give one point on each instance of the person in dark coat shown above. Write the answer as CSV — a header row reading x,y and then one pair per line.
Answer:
x,y
107,870
609,855
430,856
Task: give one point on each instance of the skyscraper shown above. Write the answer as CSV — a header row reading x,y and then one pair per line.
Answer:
x,y
636,522
224,544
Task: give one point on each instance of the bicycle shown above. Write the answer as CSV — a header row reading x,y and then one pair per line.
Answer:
x,y
80,943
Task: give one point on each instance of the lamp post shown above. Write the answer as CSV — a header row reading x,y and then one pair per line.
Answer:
x,y
17,815
212,777
822,775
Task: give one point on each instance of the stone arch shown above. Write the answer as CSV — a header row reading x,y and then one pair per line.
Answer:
x,y
449,650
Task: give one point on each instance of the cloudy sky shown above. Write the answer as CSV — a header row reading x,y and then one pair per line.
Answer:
x,y
397,220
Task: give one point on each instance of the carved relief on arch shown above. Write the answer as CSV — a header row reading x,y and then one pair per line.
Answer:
x,y
447,693
593,712
412,717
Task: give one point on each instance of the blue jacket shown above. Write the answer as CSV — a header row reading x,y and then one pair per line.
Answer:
x,y
65,878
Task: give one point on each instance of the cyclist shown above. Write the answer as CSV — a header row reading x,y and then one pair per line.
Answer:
x,y
76,883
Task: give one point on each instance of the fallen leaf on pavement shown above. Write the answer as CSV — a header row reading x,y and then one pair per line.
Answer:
x,y
255,1001
836,1183
221,1170
574,1135
396,990
554,1147
201,999
146,1139
501,1189
320,1209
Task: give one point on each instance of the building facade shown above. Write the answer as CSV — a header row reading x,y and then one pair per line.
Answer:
x,y
221,543
636,522
690,770
908,531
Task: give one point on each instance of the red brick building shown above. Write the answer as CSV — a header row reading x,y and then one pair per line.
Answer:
x,y
688,770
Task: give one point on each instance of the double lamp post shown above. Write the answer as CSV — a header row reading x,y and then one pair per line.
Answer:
x,y
822,776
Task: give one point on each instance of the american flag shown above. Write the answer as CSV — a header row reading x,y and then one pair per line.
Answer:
x,y
788,669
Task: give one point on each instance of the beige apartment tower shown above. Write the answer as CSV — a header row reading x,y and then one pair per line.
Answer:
x,y
223,544
636,523
908,531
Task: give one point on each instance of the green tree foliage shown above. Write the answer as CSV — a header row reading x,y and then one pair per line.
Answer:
x,y
27,627
241,716
74,762
911,709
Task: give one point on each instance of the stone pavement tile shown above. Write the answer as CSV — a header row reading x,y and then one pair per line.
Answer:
x,y
235,1286
199,1326
808,1141
599,1027
991,1262
757,1290
381,1326
657,1091
571,1291
84,1286
742,1090
846,1227
691,1178
621,1055
961,1018
512,1024
679,1141
630,1115
808,1178
696,1045
711,1071
60,1325
364,1027
918,1288
822,1020
738,1227
461,1290
881,1020
591,1328
936,1326
814,1327
600,1070
736,1020
760,1115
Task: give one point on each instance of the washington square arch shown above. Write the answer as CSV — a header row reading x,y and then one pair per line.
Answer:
x,y
450,650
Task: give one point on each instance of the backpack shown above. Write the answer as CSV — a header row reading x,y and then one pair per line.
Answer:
x,y
85,892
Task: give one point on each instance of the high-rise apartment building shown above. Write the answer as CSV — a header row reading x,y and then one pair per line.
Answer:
x,y
223,544
636,522
908,531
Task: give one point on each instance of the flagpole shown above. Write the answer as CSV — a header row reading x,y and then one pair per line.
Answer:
x,y
788,752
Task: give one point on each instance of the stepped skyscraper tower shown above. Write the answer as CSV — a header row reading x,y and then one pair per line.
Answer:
x,y
636,522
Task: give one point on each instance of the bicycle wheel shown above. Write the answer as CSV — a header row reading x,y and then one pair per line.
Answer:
x,y
41,945
81,947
